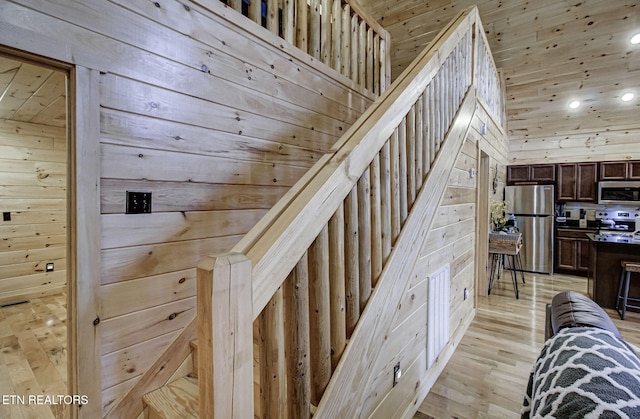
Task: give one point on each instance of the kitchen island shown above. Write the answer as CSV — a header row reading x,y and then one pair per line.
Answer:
x,y
604,270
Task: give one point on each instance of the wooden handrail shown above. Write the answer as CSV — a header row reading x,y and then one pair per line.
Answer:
x,y
342,222
280,247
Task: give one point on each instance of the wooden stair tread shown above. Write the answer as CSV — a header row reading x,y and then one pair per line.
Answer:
x,y
178,399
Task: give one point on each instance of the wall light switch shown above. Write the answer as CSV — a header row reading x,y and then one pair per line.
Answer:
x,y
472,172
49,267
6,216
138,202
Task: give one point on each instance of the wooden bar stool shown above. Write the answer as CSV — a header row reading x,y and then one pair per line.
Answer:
x,y
502,246
625,279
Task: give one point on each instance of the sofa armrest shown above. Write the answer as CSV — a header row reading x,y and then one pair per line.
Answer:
x,y
572,309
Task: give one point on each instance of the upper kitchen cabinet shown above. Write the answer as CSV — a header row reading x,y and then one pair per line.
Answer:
x,y
538,173
620,170
577,182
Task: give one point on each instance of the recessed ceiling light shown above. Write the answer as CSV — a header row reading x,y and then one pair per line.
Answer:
x,y
635,39
627,97
574,105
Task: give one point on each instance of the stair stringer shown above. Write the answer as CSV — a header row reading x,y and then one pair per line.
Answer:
x,y
346,393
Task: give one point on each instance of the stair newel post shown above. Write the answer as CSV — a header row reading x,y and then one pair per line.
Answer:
x,y
225,337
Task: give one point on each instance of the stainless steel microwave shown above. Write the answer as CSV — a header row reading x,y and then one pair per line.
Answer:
x,y
619,192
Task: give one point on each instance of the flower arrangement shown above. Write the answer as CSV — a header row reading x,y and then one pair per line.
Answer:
x,y
499,216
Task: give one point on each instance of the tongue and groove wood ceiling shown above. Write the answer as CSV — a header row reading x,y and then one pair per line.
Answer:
x,y
32,93
549,53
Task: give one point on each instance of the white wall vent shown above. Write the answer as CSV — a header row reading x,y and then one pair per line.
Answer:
x,y
438,321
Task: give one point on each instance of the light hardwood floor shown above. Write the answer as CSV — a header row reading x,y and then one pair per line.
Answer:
x,y
488,373
33,357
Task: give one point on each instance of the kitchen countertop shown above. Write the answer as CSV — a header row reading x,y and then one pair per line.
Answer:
x,y
626,240
606,254
575,225
565,227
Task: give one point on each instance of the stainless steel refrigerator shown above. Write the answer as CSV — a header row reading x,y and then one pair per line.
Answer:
x,y
533,207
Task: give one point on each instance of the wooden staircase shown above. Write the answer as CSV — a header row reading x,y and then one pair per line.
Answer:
x,y
179,398
381,186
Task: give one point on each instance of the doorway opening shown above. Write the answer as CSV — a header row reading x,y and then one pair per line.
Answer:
x,y
482,220
34,238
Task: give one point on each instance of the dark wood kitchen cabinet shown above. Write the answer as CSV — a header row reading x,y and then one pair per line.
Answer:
x,y
577,182
573,251
539,173
620,170
634,170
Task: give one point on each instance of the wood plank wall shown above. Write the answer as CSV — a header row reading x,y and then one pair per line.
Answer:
x,y
452,240
33,191
215,121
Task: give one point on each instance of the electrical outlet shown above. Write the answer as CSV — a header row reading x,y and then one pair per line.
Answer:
x,y
49,267
397,373
6,216
138,202
466,293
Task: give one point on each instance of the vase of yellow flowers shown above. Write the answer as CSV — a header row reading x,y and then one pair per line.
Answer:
x,y
499,216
